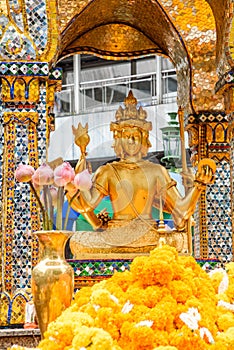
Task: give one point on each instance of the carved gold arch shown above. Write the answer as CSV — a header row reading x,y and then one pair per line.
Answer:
x,y
197,35
186,14
189,32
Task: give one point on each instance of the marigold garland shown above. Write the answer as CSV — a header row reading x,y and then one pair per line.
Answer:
x,y
165,302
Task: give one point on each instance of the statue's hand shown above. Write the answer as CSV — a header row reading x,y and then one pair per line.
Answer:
x,y
80,165
104,217
187,178
70,189
205,173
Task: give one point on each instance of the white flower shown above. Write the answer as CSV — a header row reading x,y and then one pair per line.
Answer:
x,y
204,331
226,305
114,299
51,338
219,270
96,307
191,318
223,286
146,323
127,307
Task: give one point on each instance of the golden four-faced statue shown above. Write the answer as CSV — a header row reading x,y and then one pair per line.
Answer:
x,y
134,186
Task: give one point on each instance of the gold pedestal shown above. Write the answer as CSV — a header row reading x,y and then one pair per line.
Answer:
x,y
128,240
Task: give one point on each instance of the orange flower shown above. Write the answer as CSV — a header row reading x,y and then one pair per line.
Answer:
x,y
141,337
141,310
225,321
186,339
151,271
180,291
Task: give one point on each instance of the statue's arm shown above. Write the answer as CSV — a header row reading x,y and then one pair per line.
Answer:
x,y
86,201
182,208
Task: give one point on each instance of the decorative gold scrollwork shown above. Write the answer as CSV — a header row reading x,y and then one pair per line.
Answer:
x,y
20,117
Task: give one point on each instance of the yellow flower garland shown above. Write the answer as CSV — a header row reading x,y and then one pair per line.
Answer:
x,y
142,309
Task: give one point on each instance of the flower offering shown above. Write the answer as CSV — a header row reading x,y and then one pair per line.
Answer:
x,y
48,186
165,302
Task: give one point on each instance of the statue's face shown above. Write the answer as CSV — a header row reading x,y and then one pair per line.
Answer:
x,y
131,140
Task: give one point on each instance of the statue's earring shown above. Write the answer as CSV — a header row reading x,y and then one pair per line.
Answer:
x,y
122,154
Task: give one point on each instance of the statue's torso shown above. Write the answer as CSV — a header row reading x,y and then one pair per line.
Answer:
x,y
132,187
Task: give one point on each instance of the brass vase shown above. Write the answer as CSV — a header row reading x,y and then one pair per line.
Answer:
x,y
52,278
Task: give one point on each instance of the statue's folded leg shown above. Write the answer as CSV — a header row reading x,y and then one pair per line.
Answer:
x,y
125,239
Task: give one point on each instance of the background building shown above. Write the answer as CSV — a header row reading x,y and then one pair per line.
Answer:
x,y
93,89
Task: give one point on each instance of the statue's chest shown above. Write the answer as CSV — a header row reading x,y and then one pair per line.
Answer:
x,y
136,181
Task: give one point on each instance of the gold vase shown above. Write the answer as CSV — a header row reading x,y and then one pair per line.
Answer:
x,y
52,278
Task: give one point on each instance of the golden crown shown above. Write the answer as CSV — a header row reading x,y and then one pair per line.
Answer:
x,y
130,99
130,115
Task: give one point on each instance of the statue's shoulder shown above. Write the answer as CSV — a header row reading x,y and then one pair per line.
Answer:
x,y
155,169
150,165
102,169
116,165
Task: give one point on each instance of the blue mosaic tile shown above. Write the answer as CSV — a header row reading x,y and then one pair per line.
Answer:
x,y
16,15
37,22
219,224
55,74
98,267
24,68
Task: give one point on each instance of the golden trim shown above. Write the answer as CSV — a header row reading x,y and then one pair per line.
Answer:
x,y
34,210
20,117
219,157
8,203
202,200
51,50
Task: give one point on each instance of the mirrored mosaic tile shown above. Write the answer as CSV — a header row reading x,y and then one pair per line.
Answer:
x,y
97,267
219,224
37,21
15,13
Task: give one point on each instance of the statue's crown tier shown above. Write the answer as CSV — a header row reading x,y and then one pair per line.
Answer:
x,y
131,116
130,99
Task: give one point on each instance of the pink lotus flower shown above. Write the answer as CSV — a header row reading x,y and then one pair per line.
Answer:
x,y
63,174
44,175
24,173
51,197
53,193
83,180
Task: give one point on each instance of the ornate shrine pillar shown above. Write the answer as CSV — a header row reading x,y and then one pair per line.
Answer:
x,y
209,138
27,95
226,87
29,41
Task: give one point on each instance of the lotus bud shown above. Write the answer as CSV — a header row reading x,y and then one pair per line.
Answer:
x,y
83,180
24,173
63,174
44,175
54,193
